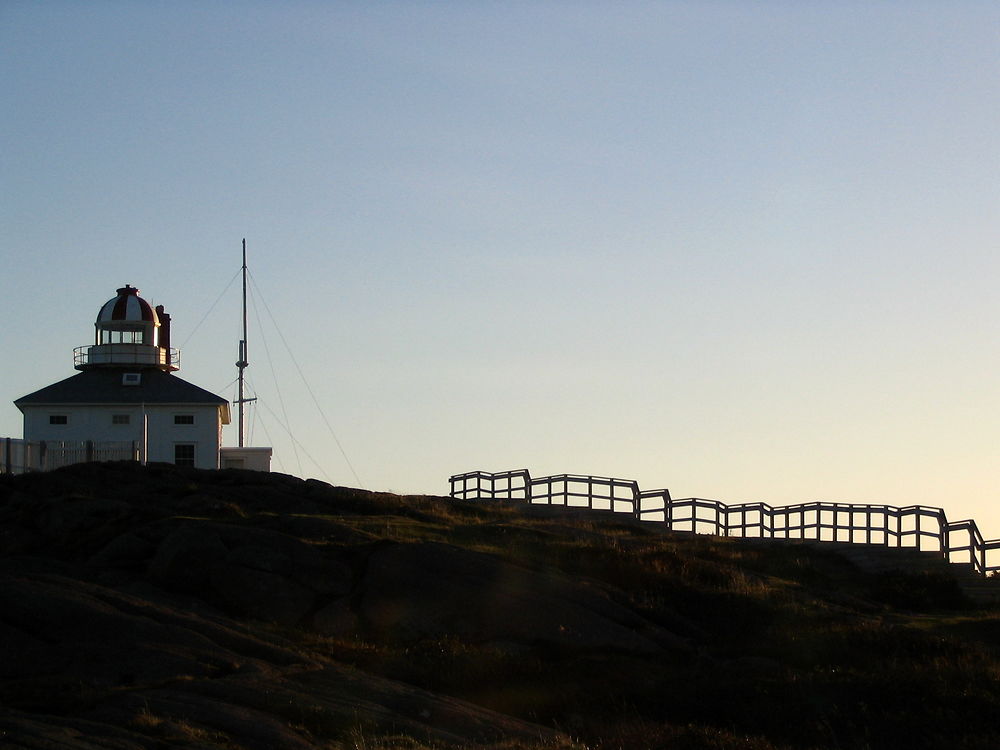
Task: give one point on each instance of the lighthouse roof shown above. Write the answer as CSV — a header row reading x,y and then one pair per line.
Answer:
x,y
127,307
107,387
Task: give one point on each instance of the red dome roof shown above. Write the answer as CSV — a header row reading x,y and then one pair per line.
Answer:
x,y
127,307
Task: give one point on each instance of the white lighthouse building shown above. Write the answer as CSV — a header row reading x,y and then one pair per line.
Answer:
x,y
127,394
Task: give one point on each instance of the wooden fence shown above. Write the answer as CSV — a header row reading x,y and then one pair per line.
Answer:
x,y
920,526
21,456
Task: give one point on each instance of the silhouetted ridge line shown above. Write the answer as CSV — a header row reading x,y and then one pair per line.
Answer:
x,y
921,526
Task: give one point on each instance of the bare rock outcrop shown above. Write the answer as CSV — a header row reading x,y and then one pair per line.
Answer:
x,y
428,590
252,572
117,670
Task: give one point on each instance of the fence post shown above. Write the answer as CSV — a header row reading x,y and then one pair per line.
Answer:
x,y
89,450
7,457
943,534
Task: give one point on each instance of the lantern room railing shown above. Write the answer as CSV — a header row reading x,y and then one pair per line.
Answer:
x,y
126,354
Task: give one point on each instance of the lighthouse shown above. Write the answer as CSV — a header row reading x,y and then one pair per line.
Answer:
x,y
126,396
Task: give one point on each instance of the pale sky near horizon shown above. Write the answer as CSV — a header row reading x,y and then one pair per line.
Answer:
x,y
742,250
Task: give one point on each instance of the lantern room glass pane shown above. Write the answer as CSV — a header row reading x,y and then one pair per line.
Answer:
x,y
129,336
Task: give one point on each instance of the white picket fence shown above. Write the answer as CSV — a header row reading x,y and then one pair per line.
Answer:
x,y
20,456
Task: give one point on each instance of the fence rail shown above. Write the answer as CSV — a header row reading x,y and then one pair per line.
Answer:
x,y
21,456
920,526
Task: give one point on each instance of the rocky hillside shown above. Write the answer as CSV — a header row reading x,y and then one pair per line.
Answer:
x,y
157,607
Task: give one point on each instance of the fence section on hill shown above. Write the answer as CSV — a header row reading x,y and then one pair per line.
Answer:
x,y
919,526
21,456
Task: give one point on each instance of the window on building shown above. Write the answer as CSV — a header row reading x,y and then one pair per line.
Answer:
x,y
184,454
120,419
58,419
183,418
130,336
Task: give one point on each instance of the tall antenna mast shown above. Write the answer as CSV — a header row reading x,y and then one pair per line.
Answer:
x,y
242,363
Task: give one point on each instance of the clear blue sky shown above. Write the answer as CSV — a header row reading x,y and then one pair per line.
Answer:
x,y
743,250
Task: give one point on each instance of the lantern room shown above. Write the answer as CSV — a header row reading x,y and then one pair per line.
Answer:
x,y
129,333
